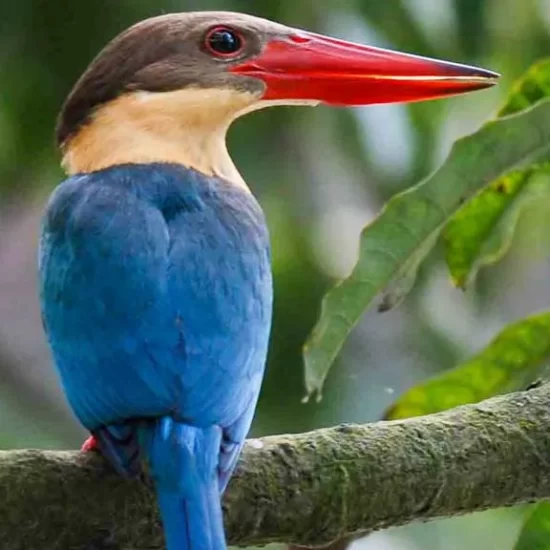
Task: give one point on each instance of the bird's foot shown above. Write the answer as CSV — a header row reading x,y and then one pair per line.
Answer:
x,y
89,445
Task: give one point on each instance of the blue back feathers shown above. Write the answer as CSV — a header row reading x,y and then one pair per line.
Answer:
x,y
156,296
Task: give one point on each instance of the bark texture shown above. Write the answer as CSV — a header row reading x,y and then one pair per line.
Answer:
x,y
306,489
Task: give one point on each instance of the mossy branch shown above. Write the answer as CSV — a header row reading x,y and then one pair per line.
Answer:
x,y
306,489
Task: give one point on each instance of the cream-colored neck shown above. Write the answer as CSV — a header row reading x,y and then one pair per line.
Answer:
x,y
186,127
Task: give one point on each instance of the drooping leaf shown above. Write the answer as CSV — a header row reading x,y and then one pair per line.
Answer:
x,y
481,232
412,218
535,534
516,357
405,278
395,244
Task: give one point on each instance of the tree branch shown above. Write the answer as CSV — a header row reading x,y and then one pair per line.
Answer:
x,y
307,489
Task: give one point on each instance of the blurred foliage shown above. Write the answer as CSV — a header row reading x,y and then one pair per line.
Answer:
x,y
320,175
535,534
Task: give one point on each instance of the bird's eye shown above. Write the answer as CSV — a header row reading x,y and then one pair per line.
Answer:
x,y
224,42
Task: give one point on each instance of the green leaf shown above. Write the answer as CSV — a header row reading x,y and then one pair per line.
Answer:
x,y
413,218
529,90
513,360
535,534
481,232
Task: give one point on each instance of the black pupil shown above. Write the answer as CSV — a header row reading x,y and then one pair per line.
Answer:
x,y
224,41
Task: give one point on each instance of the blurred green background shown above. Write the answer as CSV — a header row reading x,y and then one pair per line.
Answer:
x,y
320,174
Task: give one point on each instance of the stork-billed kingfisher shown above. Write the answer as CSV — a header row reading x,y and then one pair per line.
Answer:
x,y
154,259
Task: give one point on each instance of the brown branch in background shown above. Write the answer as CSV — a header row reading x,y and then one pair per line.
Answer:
x,y
306,489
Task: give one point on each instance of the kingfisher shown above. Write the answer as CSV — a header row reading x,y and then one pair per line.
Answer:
x,y
154,260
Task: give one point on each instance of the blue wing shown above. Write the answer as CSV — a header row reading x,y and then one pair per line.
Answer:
x,y
156,296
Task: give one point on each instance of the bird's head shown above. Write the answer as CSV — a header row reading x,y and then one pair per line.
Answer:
x,y
168,88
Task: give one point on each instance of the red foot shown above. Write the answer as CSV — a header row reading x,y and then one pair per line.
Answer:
x,y
89,445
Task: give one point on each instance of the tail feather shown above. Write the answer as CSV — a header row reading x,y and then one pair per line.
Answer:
x,y
192,524
183,462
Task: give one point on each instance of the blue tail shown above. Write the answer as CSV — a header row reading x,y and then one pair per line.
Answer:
x,y
183,461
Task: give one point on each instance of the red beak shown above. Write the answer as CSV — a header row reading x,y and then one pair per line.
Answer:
x,y
312,67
